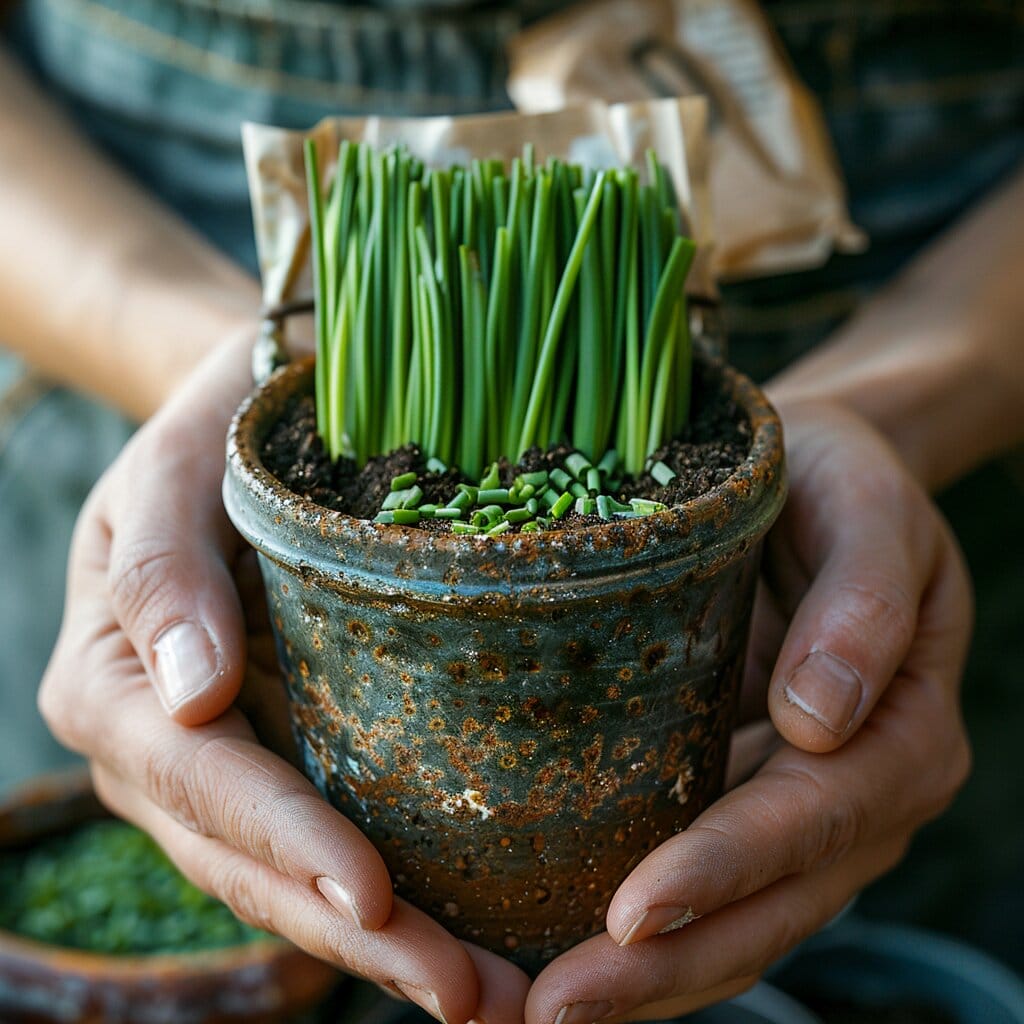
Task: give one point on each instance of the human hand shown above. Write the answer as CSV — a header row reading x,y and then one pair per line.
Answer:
x,y
860,632
144,681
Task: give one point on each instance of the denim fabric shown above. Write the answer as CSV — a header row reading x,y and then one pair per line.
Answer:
x,y
924,100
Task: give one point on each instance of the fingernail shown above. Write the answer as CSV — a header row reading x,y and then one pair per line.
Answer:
x,y
658,921
340,899
827,689
422,997
186,663
583,1013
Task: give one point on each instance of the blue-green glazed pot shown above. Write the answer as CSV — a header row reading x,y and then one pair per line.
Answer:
x,y
514,722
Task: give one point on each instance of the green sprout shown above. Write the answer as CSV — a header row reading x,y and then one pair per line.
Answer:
x,y
479,311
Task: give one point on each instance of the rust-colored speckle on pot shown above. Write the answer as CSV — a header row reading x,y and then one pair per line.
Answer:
x,y
551,706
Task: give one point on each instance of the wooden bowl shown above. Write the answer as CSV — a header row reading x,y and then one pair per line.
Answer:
x,y
39,983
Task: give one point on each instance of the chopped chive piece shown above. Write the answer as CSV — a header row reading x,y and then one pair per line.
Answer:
x,y
492,513
461,501
561,506
479,519
404,480
491,479
646,507
492,494
394,500
662,473
604,509
413,497
464,528
429,509
406,516
502,527
538,479
526,491
593,480
577,464
518,515
617,506
542,522
549,497
446,513
435,465
561,479
609,462
530,527
578,490
384,517
586,506
532,505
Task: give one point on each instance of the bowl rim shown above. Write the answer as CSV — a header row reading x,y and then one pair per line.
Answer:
x,y
56,788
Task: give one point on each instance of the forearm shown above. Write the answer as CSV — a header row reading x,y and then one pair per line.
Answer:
x,y
936,361
101,287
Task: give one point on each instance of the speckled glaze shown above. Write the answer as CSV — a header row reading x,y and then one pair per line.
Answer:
x,y
257,983
515,722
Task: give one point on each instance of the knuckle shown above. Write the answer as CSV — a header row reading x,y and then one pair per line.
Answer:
x,y
232,884
835,822
166,780
64,717
879,605
137,578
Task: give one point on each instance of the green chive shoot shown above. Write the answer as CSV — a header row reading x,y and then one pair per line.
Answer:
x,y
479,311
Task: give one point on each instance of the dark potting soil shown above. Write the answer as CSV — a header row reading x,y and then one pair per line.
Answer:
x,y
715,441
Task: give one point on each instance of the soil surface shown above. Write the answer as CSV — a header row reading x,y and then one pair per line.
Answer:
x,y
716,440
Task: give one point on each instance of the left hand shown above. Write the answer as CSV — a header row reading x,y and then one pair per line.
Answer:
x,y
860,632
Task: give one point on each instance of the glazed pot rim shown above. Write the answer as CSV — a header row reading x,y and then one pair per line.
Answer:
x,y
739,510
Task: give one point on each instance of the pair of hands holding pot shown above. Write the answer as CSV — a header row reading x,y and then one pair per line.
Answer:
x,y
852,735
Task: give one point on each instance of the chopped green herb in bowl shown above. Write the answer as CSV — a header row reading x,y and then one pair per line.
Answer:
x,y
108,888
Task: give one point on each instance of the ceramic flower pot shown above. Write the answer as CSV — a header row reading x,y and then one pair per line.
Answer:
x,y
514,722
44,984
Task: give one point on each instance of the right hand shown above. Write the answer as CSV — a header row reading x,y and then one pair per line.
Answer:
x,y
151,657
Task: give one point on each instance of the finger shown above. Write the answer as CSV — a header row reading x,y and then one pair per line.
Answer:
x,y
870,545
802,811
600,980
690,1003
169,576
411,953
503,988
218,782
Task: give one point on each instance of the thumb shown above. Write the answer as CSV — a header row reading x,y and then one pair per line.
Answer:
x,y
866,536
171,586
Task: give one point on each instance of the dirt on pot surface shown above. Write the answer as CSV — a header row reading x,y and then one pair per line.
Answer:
x,y
715,442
